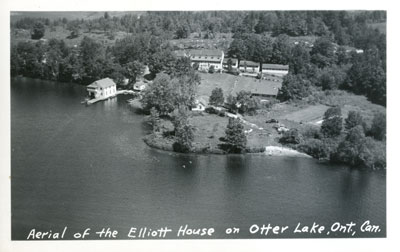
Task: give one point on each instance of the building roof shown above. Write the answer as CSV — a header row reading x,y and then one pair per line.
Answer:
x,y
180,53
234,61
103,83
249,63
206,52
275,66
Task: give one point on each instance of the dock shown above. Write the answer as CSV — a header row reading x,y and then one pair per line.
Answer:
x,y
91,101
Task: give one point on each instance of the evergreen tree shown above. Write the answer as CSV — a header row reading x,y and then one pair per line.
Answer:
x,y
235,137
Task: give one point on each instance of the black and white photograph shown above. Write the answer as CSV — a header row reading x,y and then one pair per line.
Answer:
x,y
198,125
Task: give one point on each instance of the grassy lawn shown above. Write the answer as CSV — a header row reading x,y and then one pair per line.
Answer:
x,y
310,114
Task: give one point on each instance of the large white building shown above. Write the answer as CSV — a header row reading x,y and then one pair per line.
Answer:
x,y
103,88
275,69
206,58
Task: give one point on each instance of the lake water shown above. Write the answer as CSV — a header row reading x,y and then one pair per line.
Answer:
x,y
88,167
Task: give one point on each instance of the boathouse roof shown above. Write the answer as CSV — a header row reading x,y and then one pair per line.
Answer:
x,y
103,83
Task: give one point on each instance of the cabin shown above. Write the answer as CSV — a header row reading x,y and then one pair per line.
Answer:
x,y
206,58
201,105
234,63
102,89
248,66
275,69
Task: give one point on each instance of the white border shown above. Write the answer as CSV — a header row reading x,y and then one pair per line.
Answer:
x,y
377,244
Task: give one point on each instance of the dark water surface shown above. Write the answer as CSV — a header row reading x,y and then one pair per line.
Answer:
x,y
88,167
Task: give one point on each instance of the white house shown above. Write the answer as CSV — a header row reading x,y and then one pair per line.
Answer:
x,y
206,58
103,88
201,105
248,66
275,69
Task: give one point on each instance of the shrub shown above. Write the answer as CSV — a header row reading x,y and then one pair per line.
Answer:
x,y
312,132
315,148
211,69
291,136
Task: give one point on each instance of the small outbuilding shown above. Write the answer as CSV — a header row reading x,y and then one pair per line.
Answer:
x,y
102,89
275,69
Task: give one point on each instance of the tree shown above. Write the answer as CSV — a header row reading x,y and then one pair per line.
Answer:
x,y
235,137
281,51
160,95
230,63
299,59
216,97
231,103
294,87
164,61
246,104
211,69
332,78
352,150
367,76
354,119
133,69
333,122
261,48
291,136
154,119
185,88
315,148
183,31
184,134
265,22
92,56
378,127
167,93
323,52
38,30
238,49
73,27
358,150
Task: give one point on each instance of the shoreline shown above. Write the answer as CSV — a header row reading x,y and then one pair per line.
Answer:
x,y
160,143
